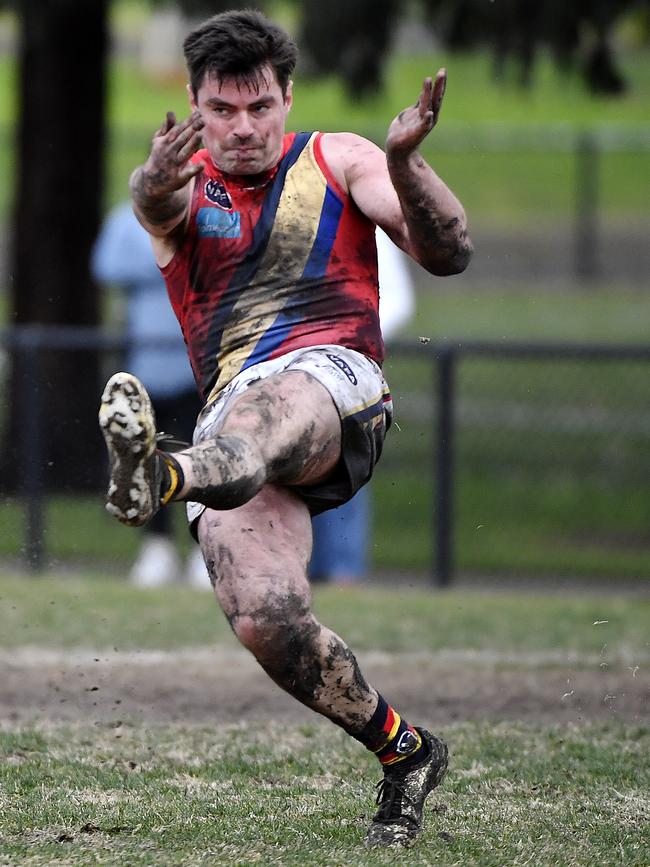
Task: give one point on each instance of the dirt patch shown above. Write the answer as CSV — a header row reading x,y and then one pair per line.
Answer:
x,y
227,686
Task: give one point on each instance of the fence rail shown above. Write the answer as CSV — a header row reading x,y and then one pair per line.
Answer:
x,y
444,361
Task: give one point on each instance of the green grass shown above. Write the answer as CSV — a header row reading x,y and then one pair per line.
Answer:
x,y
515,527
608,314
123,793
102,613
182,795
550,458
473,97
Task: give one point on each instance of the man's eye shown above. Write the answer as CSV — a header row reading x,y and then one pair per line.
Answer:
x,y
260,109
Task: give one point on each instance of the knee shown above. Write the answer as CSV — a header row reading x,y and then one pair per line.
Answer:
x,y
262,637
271,641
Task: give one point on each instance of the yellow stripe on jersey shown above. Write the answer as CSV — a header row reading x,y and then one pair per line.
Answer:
x,y
290,244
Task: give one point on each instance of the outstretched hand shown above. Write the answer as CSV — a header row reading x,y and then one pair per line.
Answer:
x,y
412,125
167,167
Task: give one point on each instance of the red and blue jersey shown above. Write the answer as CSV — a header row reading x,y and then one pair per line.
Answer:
x,y
264,270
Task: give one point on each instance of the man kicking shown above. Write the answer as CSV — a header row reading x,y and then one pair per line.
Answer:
x,y
266,241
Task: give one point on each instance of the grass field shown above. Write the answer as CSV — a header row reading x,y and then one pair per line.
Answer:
x,y
549,764
101,612
509,154
184,795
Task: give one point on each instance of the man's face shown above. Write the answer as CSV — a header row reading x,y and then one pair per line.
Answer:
x,y
244,125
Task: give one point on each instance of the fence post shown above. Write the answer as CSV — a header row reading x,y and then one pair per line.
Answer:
x,y
30,349
443,531
586,247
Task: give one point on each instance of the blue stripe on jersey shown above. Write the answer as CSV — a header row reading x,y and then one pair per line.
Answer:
x,y
245,273
325,237
315,267
271,339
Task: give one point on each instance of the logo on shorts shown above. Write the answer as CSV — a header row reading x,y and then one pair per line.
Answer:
x,y
216,193
344,366
407,743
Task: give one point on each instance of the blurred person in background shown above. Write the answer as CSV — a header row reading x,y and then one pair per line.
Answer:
x,y
266,240
123,258
341,544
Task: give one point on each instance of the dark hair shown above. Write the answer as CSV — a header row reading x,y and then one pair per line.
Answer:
x,y
236,44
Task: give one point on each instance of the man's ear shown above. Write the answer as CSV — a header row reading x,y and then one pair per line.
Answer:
x,y
288,96
190,96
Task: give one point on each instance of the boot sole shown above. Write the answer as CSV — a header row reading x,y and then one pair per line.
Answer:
x,y
128,425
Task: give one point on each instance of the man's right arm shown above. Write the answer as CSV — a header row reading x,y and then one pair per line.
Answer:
x,y
160,188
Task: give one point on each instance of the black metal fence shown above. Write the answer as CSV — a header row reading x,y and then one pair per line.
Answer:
x,y
535,455
520,458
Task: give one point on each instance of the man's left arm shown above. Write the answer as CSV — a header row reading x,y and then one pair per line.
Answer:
x,y
400,192
435,219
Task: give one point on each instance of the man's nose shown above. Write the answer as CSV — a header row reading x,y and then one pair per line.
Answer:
x,y
243,128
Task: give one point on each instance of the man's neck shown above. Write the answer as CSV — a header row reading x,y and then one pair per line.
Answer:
x,y
251,182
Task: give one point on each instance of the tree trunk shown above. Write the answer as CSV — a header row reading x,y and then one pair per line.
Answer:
x,y
57,207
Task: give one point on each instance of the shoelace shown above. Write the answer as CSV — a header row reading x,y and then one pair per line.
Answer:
x,y
387,799
168,439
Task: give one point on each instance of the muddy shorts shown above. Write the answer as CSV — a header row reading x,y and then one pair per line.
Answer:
x,y
364,404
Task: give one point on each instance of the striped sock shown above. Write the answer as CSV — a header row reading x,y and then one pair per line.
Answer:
x,y
172,477
390,737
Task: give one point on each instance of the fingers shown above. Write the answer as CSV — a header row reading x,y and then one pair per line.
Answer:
x,y
188,147
431,96
174,143
167,124
172,130
183,130
438,91
191,169
413,124
168,166
424,102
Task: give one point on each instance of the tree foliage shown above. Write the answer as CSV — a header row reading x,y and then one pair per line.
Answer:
x,y
353,38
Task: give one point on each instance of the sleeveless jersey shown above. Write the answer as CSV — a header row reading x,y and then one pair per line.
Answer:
x,y
265,270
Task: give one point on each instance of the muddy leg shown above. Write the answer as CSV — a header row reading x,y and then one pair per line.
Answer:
x,y
284,429
257,556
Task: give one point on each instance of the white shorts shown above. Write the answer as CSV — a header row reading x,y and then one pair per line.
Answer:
x,y
361,396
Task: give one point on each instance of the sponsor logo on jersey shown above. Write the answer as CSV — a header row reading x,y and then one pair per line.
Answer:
x,y
216,193
344,366
407,743
214,223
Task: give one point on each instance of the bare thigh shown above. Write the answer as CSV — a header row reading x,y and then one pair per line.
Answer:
x,y
258,551
293,420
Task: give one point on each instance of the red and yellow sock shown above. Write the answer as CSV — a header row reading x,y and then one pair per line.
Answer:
x,y
390,737
172,478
